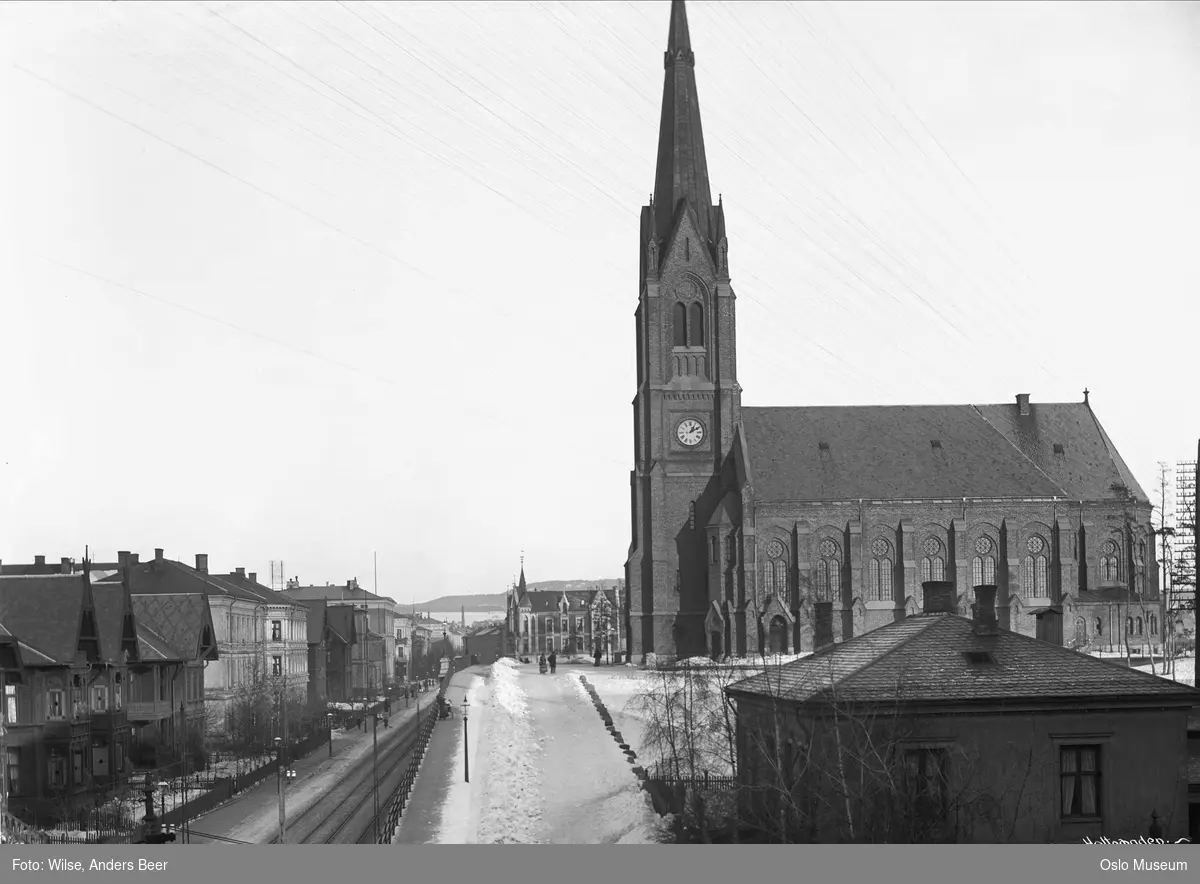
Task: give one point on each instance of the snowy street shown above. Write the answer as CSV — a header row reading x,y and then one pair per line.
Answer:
x,y
543,768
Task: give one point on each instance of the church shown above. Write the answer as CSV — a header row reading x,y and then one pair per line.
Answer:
x,y
782,529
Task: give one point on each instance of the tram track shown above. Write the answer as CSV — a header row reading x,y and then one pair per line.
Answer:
x,y
345,814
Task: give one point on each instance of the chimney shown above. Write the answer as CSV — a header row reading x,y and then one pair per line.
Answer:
x,y
939,597
123,558
985,611
66,565
39,560
241,572
133,559
1023,404
202,562
254,577
158,554
822,625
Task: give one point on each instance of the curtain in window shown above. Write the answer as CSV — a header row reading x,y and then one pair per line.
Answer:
x,y
1087,758
1068,781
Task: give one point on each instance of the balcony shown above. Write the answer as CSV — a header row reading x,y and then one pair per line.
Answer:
x,y
111,720
66,729
148,710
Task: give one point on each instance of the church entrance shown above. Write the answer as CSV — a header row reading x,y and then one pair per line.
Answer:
x,y
778,638
715,640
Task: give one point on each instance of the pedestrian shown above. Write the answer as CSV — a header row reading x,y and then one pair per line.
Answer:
x,y
542,663
553,662
596,654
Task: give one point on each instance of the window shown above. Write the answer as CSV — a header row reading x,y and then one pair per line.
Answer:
x,y
696,325
579,625
1035,570
276,630
1099,627
933,566
1080,775
775,568
925,779
714,547
1153,624
829,572
54,705
1129,626
879,578
563,625
56,771
679,321
983,566
688,324
10,704
1109,561
13,765
99,698
277,666
1139,625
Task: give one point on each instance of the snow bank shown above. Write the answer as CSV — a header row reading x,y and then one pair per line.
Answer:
x,y
511,805
1185,670
457,814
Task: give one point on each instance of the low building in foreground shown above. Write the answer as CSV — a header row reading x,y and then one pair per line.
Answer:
x,y
944,728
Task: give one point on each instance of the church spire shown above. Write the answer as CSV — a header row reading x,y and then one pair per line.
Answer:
x,y
682,168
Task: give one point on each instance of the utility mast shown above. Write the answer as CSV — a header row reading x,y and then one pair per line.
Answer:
x,y
278,578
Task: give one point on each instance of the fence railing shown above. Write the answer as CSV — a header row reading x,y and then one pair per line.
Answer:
x,y
404,790
703,780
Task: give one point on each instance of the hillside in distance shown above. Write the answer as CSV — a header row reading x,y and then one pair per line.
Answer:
x,y
483,602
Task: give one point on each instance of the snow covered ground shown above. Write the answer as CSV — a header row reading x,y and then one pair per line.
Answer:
x,y
1185,670
544,770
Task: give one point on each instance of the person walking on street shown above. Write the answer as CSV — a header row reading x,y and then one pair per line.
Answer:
x,y
596,653
542,663
553,662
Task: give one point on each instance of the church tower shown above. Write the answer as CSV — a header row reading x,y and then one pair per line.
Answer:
x,y
688,400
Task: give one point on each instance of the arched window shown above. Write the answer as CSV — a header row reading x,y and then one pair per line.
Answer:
x,y
879,586
696,325
775,568
933,566
1129,626
680,324
983,566
1099,627
1035,570
1139,625
829,572
1141,552
1109,561
1153,624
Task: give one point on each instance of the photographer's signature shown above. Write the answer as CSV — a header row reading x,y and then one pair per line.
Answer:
x,y
1142,840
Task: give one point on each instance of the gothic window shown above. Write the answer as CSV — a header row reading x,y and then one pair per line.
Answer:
x,y
829,572
731,550
1099,627
983,566
696,325
1141,547
1153,624
1035,571
680,324
1109,561
1129,626
879,587
716,553
933,566
775,568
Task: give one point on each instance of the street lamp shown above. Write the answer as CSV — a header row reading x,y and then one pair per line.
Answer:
x,y
162,799
329,720
279,785
466,750
375,768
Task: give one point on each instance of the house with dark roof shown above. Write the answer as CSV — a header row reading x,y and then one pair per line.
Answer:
x,y
53,668
177,640
566,621
374,658
282,632
755,527
940,727
342,624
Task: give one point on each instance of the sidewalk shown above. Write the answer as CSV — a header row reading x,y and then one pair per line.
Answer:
x,y
421,820
253,815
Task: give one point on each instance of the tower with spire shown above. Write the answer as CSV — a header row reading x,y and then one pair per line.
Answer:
x,y
687,400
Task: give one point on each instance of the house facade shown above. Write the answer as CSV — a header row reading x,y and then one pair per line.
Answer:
x,y
565,621
375,652
980,734
281,631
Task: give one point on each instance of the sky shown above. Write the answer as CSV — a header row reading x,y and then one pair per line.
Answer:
x,y
350,286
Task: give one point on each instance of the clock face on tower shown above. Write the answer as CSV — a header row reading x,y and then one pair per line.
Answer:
x,y
690,432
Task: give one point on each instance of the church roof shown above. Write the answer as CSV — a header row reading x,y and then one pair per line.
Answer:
x,y
933,451
924,659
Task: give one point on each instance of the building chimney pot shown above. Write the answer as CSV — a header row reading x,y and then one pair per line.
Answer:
x,y
939,596
133,559
241,572
985,610
39,560
65,565
158,554
254,577
1023,403
123,558
202,562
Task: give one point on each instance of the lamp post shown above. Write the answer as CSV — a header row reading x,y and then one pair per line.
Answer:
x,y
279,785
466,745
329,721
162,798
375,769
